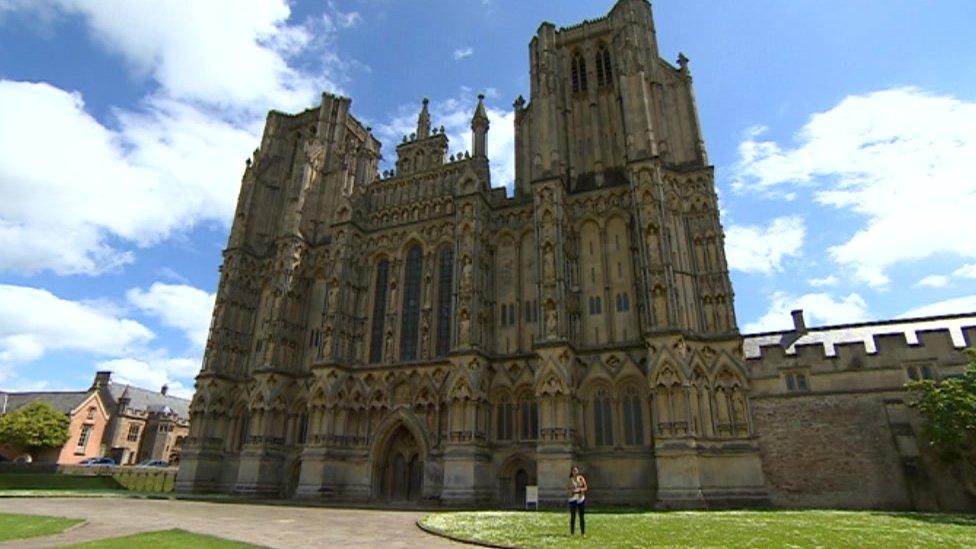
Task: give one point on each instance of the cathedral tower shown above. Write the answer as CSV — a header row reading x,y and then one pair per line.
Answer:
x,y
416,334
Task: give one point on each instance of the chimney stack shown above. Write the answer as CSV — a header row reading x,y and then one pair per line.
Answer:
x,y
102,379
799,325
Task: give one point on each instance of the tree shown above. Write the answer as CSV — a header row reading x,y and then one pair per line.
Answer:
x,y
34,427
949,409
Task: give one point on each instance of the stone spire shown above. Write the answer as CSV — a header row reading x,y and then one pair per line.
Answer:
x,y
423,121
479,129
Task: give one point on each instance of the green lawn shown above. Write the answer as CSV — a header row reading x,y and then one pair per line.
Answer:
x,y
164,539
30,526
37,481
712,529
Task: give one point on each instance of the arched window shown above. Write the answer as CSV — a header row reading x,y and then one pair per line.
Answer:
x,y
504,421
528,418
578,71
602,419
445,287
301,436
411,304
379,311
633,417
604,76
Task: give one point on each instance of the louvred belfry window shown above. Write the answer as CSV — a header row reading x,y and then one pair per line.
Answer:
x,y
578,71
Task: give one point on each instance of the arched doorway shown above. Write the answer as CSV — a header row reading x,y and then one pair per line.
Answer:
x,y
514,475
399,469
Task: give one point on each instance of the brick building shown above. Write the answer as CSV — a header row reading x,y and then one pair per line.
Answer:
x,y
111,419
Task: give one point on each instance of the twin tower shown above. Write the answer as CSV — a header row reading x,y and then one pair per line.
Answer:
x,y
420,335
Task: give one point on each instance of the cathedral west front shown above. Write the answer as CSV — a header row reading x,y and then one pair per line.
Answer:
x,y
418,335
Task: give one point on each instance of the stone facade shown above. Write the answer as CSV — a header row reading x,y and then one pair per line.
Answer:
x,y
419,335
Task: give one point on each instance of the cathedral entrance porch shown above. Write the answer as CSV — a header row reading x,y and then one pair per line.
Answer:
x,y
398,457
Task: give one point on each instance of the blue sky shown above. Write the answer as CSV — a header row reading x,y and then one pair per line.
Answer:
x,y
843,136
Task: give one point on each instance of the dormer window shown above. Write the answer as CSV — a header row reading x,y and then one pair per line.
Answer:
x,y
578,71
604,74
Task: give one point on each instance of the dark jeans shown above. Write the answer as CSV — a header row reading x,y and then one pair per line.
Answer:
x,y
581,507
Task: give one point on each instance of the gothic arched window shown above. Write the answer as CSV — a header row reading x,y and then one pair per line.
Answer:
x,y
445,287
504,419
411,304
528,418
379,311
633,417
604,76
602,419
578,71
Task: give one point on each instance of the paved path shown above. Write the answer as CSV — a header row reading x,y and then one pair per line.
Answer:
x,y
268,525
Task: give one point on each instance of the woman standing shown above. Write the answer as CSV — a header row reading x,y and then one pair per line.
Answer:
x,y
577,500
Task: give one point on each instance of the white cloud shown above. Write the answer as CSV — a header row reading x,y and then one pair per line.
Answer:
x,y
247,43
964,304
153,374
902,158
34,321
462,53
174,160
934,281
755,249
818,309
827,281
455,115
966,271
178,306
164,170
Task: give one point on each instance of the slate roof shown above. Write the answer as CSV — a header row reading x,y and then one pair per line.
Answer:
x,y
829,336
63,401
151,401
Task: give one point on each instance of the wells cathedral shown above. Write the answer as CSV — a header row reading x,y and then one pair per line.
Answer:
x,y
418,335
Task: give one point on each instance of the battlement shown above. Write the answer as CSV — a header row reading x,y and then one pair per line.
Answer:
x,y
863,342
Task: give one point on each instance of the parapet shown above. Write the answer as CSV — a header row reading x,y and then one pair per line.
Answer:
x,y
862,341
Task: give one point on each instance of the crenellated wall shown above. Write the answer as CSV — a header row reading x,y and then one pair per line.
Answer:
x,y
844,436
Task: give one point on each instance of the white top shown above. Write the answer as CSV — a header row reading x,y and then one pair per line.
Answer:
x,y
577,497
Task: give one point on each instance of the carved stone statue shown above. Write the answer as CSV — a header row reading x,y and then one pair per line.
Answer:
x,y
466,268
549,264
464,328
388,346
551,323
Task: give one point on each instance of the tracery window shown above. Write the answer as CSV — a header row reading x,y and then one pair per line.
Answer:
x,y
504,419
446,286
411,304
603,72
379,311
578,71
633,417
302,436
529,418
602,419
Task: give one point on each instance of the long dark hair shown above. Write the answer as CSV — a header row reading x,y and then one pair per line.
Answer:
x,y
574,468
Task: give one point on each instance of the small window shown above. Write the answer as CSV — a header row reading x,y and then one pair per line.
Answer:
x,y
927,372
133,435
83,438
913,373
91,412
796,383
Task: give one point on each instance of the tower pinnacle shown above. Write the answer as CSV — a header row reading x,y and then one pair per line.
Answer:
x,y
423,121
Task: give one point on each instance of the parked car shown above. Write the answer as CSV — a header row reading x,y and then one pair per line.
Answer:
x,y
154,463
96,461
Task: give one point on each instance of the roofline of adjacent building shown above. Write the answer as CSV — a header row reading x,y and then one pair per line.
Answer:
x,y
888,322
